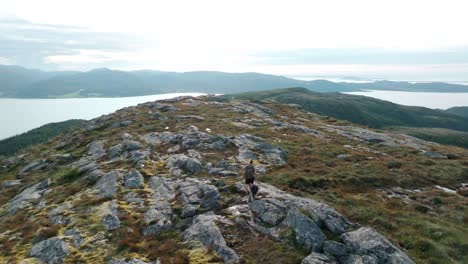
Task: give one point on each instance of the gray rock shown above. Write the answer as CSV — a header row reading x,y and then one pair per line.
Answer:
x,y
434,155
159,138
31,194
195,117
133,198
134,180
159,216
227,173
367,241
210,196
204,232
10,183
106,186
188,210
111,222
306,231
52,250
57,216
34,166
115,151
131,144
199,193
77,239
334,249
85,164
317,258
131,261
270,211
356,259
139,156
187,165
245,154
163,188
96,149
94,175
272,154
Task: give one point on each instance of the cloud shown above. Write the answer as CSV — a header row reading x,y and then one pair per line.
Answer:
x,y
30,44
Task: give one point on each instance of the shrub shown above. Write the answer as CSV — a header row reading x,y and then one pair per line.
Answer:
x,y
394,165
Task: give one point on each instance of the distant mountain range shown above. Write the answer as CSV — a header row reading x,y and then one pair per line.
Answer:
x,y
441,126
20,82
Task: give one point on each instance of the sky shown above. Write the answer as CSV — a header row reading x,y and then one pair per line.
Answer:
x,y
412,40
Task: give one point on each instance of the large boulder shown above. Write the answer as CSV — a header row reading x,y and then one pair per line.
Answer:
x,y
34,166
198,193
133,180
306,231
159,218
131,145
205,232
317,258
96,149
114,152
52,250
334,249
270,211
367,241
29,195
163,188
106,186
185,164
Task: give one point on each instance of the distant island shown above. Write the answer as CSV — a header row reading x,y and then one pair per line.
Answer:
x,y
19,82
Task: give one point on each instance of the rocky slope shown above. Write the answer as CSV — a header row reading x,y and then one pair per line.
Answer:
x,y
161,183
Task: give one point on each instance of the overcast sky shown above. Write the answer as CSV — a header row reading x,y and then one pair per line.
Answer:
x,y
367,38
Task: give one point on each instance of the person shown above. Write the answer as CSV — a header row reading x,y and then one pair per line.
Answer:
x,y
249,175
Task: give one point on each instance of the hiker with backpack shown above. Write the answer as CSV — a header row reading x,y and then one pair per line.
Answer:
x,y
249,175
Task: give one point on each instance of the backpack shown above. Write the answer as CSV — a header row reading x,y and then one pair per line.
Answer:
x,y
249,172
254,189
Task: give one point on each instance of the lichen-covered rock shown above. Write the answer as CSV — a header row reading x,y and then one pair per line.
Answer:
x,y
106,186
77,238
196,192
186,164
204,232
114,152
111,222
317,258
57,216
29,195
306,231
133,180
367,241
270,211
52,250
131,145
34,166
96,149
334,249
159,217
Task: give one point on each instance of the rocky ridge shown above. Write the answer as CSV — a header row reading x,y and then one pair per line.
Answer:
x,y
161,171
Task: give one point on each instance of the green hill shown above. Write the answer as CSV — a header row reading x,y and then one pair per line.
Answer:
x,y
459,110
363,110
35,136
